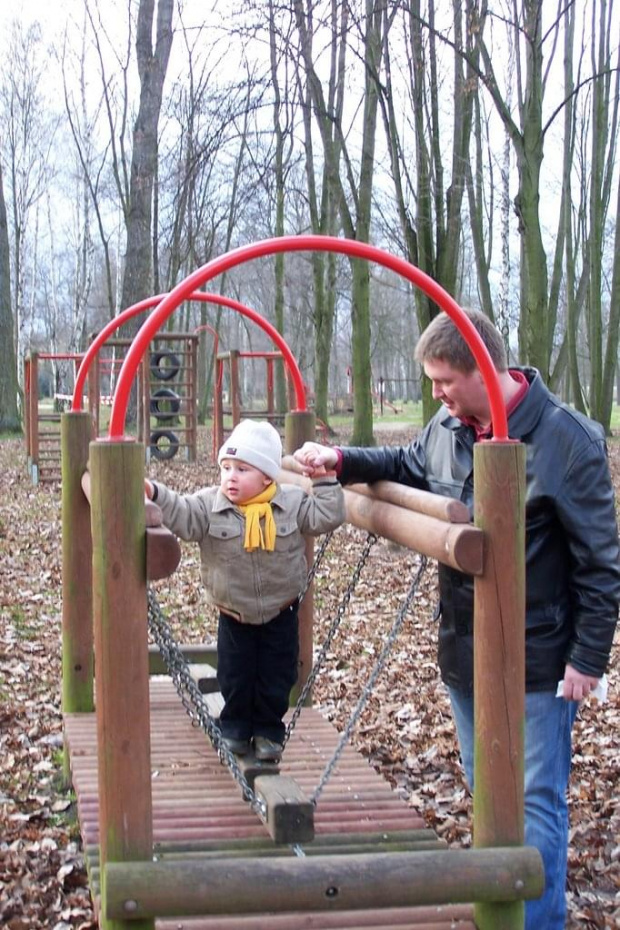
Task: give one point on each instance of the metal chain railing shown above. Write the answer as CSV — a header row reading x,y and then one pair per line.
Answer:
x,y
318,558
377,668
344,603
194,704
192,698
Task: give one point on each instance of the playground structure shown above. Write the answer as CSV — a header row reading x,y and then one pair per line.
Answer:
x,y
42,427
167,411
123,806
168,388
229,361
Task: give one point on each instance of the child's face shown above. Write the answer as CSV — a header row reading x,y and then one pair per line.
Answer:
x,y
240,481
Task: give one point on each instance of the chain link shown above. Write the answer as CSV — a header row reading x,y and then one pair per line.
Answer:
x,y
194,704
318,558
305,691
378,666
192,698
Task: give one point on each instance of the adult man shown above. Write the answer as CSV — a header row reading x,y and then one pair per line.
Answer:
x,y
572,563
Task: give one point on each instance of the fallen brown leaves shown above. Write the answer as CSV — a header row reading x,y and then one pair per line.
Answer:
x,y
405,728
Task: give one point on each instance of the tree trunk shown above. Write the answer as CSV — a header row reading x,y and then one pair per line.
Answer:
x,y
152,66
9,416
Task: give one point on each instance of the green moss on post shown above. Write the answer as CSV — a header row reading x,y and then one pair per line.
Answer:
x,y
77,605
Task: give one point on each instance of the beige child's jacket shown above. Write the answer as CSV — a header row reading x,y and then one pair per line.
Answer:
x,y
254,586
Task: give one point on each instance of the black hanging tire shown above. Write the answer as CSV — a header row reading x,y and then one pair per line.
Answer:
x,y
164,444
165,403
165,365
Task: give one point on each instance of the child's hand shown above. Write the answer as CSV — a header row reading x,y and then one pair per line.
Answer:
x,y
148,489
316,459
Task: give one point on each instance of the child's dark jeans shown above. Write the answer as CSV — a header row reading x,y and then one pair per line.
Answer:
x,y
257,665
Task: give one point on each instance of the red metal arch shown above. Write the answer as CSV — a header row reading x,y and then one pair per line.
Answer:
x,y
297,244
130,312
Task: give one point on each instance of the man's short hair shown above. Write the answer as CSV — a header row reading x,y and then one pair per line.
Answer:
x,y
442,340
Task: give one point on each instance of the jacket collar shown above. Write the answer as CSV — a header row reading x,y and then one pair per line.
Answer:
x,y
222,503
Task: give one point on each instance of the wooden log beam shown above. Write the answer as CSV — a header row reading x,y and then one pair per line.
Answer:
x,y
189,887
252,768
194,653
433,505
455,544
290,815
435,528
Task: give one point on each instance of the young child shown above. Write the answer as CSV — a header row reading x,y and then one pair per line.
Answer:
x,y
250,531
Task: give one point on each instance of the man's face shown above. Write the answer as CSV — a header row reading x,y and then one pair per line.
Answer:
x,y
462,394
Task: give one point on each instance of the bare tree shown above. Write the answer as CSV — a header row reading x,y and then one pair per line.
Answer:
x,y
9,415
27,140
354,197
429,207
152,66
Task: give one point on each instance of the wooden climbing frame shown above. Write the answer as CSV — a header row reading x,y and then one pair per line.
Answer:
x,y
497,875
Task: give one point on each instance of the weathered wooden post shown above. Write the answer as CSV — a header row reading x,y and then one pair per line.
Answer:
x,y
218,406
33,417
121,659
27,409
77,601
499,661
192,400
235,397
94,395
300,426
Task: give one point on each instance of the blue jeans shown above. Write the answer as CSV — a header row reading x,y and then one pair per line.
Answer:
x,y
548,724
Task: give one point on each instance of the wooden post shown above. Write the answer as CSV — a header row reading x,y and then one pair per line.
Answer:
x,y
27,408
218,406
234,386
499,662
270,399
121,657
300,426
192,401
33,417
94,396
77,600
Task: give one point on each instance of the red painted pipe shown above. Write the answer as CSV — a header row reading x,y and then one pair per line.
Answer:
x,y
223,263
130,312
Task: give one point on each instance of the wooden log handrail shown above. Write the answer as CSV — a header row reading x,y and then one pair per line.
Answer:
x,y
163,550
191,887
411,520
433,505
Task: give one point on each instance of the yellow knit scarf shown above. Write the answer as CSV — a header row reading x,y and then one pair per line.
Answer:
x,y
254,510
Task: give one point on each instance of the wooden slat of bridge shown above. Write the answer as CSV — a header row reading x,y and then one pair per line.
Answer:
x,y
197,805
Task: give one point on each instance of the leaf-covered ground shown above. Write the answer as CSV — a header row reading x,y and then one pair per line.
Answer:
x,y
405,727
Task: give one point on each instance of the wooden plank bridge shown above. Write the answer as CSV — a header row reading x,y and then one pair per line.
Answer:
x,y
198,809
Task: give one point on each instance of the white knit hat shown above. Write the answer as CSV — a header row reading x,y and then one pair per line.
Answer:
x,y
257,443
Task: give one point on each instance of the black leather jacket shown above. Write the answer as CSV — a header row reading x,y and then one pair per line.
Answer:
x,y
572,557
